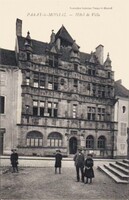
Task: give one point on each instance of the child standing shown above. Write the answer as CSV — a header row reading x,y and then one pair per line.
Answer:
x,y
58,160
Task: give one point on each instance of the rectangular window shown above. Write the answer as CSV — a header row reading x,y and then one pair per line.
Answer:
x,y
91,113
32,142
50,108
40,142
36,142
50,86
36,83
36,79
28,142
55,109
55,83
52,142
42,105
101,114
74,110
42,84
42,80
35,108
2,104
27,81
53,60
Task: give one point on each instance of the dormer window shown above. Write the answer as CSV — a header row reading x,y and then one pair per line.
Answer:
x,y
53,60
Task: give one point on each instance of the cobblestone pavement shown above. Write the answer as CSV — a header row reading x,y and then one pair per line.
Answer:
x,y
41,183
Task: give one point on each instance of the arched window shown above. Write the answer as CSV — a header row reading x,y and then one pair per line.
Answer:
x,y
90,142
34,139
55,139
101,142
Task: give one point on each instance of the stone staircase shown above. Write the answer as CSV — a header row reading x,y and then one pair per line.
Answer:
x,y
118,171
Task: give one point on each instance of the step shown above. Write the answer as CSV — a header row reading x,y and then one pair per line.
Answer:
x,y
116,172
120,168
123,164
114,177
126,161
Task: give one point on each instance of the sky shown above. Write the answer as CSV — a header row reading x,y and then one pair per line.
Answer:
x,y
89,22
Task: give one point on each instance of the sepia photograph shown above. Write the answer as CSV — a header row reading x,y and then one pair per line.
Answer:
x,y
64,100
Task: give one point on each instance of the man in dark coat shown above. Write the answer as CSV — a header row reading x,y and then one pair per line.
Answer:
x,y
89,172
79,164
14,160
58,160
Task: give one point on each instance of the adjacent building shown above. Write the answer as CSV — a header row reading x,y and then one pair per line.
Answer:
x,y
122,117
58,97
10,96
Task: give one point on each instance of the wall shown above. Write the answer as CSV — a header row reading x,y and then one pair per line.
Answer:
x,y
9,89
122,118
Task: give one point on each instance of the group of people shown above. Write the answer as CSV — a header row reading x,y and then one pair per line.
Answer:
x,y
84,167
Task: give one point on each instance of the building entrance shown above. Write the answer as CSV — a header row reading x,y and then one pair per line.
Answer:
x,y
72,145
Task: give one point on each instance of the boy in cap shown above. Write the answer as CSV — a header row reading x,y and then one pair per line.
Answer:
x,y
58,159
14,160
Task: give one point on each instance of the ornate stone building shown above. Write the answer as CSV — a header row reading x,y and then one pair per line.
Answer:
x,y
67,97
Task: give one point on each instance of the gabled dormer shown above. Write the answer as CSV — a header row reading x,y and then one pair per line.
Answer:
x,y
74,53
65,38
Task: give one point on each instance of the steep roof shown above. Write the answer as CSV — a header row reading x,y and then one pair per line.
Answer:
x,y
120,90
7,57
63,34
37,46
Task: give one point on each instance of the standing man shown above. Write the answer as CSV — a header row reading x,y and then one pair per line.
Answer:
x,y
58,161
79,164
14,160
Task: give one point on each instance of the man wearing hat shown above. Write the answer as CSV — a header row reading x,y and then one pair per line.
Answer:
x,y
58,159
79,164
14,160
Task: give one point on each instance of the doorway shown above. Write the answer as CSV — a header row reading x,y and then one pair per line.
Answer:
x,y
72,145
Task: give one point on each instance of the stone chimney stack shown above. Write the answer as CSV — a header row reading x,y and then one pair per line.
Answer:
x,y
99,53
19,27
52,38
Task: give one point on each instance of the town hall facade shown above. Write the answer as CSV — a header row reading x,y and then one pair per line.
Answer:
x,y
64,98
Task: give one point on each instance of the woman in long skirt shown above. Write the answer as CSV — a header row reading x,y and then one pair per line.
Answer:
x,y
89,172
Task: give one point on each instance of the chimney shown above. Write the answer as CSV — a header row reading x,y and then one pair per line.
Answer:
x,y
99,53
52,38
19,27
